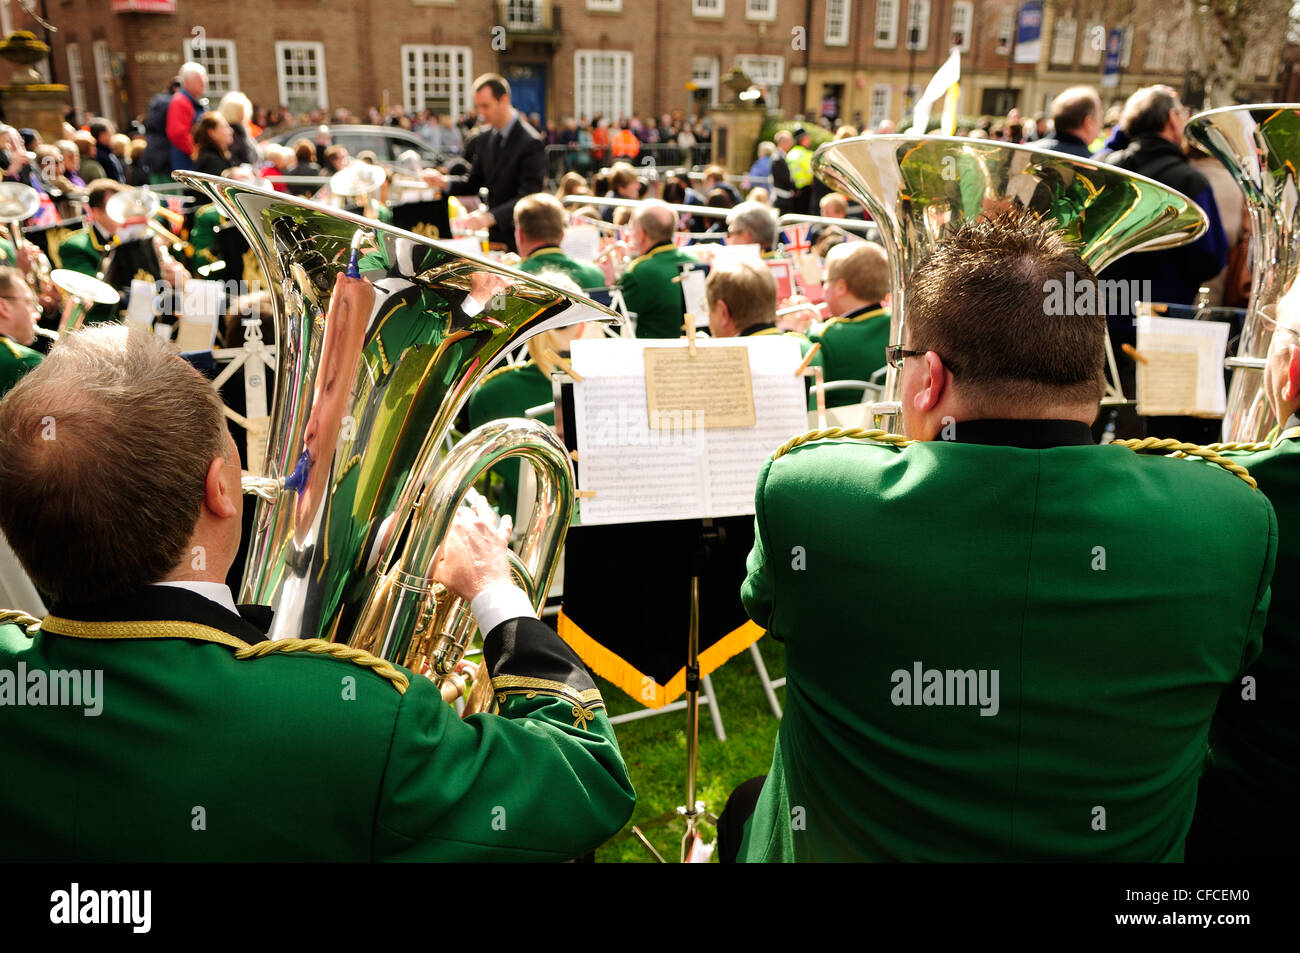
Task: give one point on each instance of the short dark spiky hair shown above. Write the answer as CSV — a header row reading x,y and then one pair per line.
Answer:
x,y
980,301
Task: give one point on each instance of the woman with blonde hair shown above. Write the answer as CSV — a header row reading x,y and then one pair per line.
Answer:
x,y
237,109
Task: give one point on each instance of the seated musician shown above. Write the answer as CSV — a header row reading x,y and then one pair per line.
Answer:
x,y
86,251
196,749
648,287
1040,680
19,311
855,285
511,391
751,223
539,229
1245,806
741,297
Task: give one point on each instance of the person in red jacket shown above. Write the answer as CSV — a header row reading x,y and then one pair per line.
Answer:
x,y
185,108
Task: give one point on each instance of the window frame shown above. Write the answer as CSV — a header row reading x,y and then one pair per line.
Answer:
x,y
282,80
188,54
892,7
969,7
582,100
841,38
76,78
462,95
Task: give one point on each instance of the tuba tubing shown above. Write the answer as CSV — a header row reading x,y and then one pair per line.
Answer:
x,y
413,620
381,336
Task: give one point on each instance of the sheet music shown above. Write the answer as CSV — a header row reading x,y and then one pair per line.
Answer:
x,y
1183,370
693,294
581,242
640,475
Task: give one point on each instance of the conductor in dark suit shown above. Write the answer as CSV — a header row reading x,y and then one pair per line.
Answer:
x,y
509,161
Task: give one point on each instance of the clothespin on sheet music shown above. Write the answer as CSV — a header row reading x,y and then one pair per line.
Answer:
x,y
819,381
563,364
807,359
688,324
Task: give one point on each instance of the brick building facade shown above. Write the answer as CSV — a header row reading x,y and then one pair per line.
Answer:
x,y
607,57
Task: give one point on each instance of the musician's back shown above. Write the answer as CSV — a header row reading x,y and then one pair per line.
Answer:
x,y
998,653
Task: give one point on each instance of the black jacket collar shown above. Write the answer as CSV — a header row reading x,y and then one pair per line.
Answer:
x,y
755,328
170,604
1025,434
865,309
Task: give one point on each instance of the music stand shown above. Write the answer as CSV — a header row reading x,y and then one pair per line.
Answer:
x,y
708,537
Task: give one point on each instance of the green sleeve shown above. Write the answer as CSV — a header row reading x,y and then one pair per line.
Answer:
x,y
757,591
542,780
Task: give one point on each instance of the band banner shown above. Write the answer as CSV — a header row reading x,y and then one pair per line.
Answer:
x,y
1029,33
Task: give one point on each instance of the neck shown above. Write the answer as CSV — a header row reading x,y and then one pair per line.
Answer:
x,y
506,121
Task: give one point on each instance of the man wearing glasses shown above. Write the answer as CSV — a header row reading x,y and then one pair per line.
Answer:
x,y
1002,641
19,312
1245,806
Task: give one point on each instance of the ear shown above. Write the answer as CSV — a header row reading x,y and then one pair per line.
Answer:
x,y
1291,389
216,496
935,385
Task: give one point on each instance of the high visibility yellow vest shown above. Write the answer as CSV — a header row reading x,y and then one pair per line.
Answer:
x,y
799,160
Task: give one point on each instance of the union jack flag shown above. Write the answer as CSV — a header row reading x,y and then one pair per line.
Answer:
x,y
795,239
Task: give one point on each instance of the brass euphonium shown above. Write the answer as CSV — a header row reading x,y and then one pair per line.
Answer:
x,y
916,187
372,368
1260,146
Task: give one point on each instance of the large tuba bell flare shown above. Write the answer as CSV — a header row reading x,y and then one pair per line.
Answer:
x,y
381,336
916,187
1260,146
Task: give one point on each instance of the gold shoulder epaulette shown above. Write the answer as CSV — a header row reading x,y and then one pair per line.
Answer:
x,y
13,348
336,649
1177,448
503,370
882,437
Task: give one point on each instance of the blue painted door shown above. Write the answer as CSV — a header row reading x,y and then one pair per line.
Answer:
x,y
528,90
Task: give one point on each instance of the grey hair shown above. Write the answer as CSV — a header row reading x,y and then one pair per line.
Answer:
x,y
756,219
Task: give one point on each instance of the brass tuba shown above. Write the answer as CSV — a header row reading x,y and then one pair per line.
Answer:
x,y
1260,146
381,336
917,186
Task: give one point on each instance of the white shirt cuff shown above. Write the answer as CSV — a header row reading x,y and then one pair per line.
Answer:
x,y
498,603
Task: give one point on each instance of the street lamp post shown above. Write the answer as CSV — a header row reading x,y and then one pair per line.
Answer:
x,y
1011,58
913,38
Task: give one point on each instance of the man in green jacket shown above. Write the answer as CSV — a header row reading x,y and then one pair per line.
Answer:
x,y
999,643
648,287
19,311
157,723
539,230
854,341
1245,808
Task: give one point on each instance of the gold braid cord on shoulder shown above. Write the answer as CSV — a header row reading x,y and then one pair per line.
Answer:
x,y
337,650
28,623
1248,447
842,433
1209,453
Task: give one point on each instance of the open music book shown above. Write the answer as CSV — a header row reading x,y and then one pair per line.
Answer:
x,y
683,469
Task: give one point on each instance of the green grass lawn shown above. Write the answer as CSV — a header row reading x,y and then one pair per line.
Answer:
x,y
655,750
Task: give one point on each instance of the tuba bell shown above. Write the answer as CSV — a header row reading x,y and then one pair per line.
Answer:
x,y
1260,146
916,187
381,336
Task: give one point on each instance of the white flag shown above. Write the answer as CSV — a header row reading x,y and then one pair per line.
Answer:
x,y
948,75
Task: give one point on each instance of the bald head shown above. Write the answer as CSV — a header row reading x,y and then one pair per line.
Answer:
x,y
653,223
784,141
